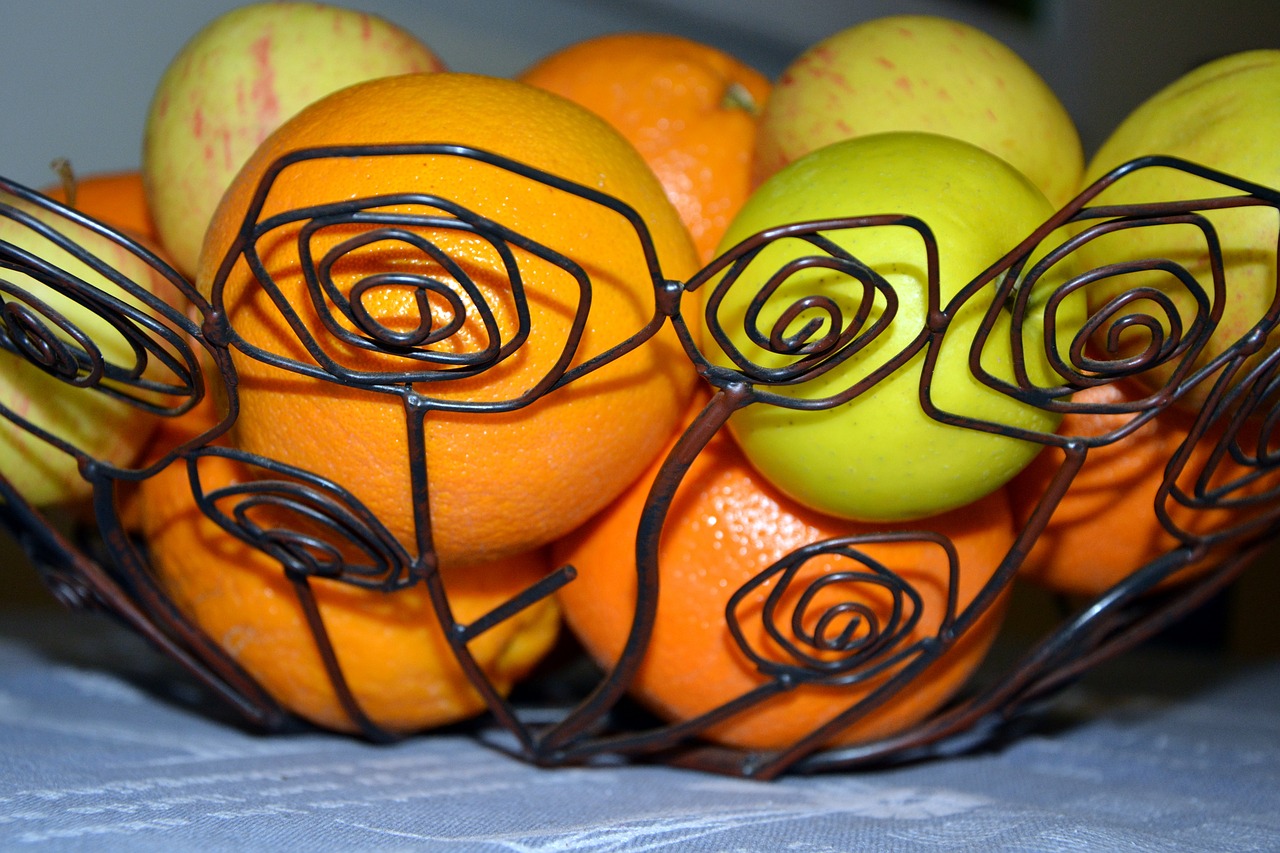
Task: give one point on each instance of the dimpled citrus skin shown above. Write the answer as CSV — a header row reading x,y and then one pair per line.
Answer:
x,y
726,525
499,484
1109,510
689,108
390,646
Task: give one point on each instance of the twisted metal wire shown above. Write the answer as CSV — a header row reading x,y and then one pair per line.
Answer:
x,y
317,529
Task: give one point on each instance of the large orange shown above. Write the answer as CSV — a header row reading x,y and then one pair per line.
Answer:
x,y
116,198
500,483
390,646
726,525
1106,526
691,109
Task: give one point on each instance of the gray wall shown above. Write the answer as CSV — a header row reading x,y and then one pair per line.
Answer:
x,y
76,75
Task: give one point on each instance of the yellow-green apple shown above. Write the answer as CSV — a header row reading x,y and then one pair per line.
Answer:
x,y
236,81
880,456
103,427
1222,114
927,73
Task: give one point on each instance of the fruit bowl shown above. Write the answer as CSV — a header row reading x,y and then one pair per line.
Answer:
x,y
182,361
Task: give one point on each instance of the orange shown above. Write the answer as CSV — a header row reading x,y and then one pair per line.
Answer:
x,y
115,198
168,434
389,645
499,483
691,109
1106,526
726,526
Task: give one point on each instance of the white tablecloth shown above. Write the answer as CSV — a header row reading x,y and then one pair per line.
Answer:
x,y
101,749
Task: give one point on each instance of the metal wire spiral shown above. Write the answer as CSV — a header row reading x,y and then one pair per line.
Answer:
x,y
314,528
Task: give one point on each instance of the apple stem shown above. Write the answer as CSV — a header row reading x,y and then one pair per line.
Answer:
x,y
62,168
738,97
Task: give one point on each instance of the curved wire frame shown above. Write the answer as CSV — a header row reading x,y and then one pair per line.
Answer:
x,y
316,528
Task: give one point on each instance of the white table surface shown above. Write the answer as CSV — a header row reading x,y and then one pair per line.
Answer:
x,y
104,747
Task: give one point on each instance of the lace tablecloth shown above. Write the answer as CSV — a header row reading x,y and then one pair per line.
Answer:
x,y
101,749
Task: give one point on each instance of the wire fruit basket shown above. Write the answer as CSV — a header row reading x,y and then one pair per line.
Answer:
x,y
180,360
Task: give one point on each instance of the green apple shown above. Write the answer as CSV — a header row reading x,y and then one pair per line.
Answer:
x,y
1224,115
879,456
236,81
104,428
926,73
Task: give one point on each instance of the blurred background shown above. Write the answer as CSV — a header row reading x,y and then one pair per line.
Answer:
x,y
76,77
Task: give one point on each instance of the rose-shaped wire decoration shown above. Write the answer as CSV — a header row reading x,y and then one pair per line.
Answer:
x,y
410,362
830,336
312,526
849,641
1172,340
331,536
1240,473
416,354
152,366
157,367
163,376
313,529
1173,343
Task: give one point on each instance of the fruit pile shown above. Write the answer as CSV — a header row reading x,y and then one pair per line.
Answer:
x,y
389,385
